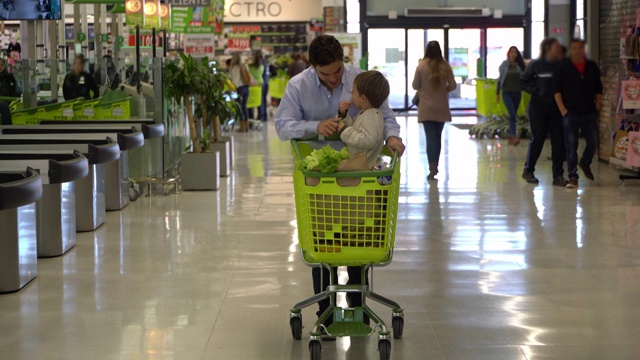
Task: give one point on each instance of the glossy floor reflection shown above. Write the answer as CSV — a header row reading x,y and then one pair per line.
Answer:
x,y
487,267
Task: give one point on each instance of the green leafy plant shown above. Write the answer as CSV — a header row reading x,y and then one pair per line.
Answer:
x,y
188,79
497,126
324,160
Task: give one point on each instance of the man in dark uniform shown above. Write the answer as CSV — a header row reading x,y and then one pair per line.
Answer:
x,y
79,83
8,83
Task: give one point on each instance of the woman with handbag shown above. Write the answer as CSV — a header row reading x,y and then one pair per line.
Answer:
x,y
434,81
241,78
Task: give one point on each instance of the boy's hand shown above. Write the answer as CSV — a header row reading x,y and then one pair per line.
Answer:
x,y
344,107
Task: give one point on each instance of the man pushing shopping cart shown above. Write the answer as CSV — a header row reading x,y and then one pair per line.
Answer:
x,y
342,222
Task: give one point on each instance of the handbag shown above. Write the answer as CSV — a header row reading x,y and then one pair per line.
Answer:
x,y
247,79
416,99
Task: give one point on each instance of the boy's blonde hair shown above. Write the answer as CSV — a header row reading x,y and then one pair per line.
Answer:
x,y
374,86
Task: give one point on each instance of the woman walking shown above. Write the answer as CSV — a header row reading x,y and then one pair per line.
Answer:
x,y
510,71
434,81
256,68
241,78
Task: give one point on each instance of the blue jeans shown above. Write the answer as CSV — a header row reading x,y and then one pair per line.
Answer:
x,y
572,126
243,97
512,102
262,110
433,132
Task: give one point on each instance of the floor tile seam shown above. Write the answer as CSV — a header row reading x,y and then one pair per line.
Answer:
x,y
209,339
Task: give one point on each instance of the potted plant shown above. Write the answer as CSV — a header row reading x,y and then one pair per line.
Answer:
x,y
185,79
217,110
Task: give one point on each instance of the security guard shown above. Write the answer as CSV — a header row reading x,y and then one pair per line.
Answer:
x,y
79,83
8,84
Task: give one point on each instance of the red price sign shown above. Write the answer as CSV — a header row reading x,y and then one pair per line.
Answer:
x,y
199,50
239,43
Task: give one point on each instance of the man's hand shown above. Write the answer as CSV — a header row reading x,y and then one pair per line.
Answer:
x,y
598,105
395,144
344,107
328,127
564,111
498,99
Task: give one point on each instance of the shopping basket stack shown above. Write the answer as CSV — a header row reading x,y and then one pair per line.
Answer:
x,y
346,226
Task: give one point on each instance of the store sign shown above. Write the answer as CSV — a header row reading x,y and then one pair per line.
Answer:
x,y
198,20
352,46
165,17
199,44
145,40
134,12
271,10
190,3
238,42
152,14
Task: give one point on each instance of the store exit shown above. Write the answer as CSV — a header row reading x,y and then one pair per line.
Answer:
x,y
473,53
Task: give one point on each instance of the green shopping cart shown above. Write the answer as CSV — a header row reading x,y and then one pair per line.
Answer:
x,y
346,226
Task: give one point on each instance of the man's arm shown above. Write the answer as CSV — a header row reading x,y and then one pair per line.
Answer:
x,y
527,78
560,102
289,122
364,133
556,86
599,89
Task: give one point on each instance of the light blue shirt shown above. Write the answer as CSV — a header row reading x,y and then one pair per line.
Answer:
x,y
307,102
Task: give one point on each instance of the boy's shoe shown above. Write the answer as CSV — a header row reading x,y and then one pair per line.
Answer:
x,y
586,169
560,181
528,176
573,183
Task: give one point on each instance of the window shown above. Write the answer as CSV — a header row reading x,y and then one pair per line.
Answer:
x,y
538,28
579,30
353,16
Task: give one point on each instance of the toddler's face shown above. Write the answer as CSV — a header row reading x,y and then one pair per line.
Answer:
x,y
358,100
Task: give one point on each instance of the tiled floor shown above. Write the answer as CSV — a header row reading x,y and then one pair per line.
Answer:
x,y
487,267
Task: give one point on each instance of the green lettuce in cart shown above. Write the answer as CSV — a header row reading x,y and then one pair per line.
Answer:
x,y
324,160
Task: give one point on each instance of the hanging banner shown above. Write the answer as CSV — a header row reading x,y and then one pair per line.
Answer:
x,y
631,94
165,17
272,10
151,14
199,45
352,46
198,20
190,3
134,12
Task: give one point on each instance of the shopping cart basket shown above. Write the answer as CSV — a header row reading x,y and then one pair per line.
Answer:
x,y
346,226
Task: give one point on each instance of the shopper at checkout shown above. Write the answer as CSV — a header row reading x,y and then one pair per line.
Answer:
x,y
79,83
8,85
308,108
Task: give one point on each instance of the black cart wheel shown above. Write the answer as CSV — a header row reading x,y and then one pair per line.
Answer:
x,y
315,349
296,327
398,326
384,347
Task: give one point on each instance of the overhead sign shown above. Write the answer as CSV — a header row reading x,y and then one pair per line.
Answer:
x,y
198,20
134,10
165,16
190,3
152,14
271,10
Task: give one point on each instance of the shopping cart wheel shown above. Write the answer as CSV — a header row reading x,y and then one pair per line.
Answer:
x,y
315,349
398,326
384,347
296,327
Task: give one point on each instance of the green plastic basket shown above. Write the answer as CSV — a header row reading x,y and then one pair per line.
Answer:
x,y
255,97
115,109
85,110
345,226
58,111
277,86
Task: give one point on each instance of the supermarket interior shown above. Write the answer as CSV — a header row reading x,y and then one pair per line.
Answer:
x,y
319,179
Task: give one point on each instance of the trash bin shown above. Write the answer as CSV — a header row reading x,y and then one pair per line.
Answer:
x,y
116,173
90,191
19,192
56,210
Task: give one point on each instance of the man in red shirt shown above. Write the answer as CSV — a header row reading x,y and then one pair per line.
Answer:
x,y
578,94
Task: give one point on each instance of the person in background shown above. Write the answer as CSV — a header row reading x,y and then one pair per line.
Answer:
x,y
262,113
256,69
510,71
578,92
297,65
434,81
544,117
79,83
14,46
308,108
240,76
8,84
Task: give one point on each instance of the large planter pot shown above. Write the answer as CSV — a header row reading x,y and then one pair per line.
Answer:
x,y
224,148
232,144
201,171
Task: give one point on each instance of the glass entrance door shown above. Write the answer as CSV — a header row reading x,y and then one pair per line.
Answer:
x,y
465,59
387,54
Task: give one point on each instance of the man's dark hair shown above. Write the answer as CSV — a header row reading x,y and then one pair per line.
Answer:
x,y
324,50
576,40
546,45
374,86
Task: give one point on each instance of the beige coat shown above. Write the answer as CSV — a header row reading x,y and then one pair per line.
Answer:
x,y
434,98
365,133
